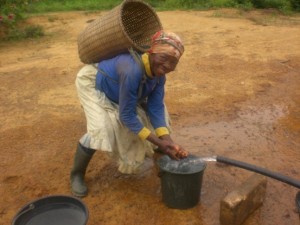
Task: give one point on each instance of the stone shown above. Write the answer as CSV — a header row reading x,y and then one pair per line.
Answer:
x,y
237,205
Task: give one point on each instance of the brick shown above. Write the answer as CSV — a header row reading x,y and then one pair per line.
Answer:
x,y
237,205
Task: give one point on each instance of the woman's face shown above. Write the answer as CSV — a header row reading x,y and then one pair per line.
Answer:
x,y
161,63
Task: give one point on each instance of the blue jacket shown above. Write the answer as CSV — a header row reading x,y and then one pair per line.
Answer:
x,y
120,79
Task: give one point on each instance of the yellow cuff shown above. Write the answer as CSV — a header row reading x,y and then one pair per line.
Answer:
x,y
161,131
144,133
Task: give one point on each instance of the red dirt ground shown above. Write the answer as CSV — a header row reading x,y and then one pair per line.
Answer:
x,y
235,93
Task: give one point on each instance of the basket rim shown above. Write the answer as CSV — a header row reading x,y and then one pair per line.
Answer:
x,y
122,25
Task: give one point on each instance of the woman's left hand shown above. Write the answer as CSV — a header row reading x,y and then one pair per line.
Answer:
x,y
180,152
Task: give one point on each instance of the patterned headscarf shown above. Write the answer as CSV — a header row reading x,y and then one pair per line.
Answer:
x,y
168,43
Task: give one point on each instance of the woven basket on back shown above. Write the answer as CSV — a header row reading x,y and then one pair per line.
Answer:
x,y
130,24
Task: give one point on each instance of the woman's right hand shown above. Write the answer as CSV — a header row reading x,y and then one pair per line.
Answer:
x,y
174,151
167,146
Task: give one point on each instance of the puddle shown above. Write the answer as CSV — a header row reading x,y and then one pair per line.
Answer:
x,y
251,137
263,115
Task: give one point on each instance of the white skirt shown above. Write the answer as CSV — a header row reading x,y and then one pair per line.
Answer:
x,y
105,131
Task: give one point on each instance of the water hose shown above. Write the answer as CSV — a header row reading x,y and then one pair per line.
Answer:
x,y
259,170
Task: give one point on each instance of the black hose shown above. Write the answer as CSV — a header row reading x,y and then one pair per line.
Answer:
x,y
298,201
260,170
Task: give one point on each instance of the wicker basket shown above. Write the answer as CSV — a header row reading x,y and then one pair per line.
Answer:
x,y
130,24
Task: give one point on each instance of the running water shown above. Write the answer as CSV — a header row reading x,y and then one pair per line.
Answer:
x,y
191,164
207,159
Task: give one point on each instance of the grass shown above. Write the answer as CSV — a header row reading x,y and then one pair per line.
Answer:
x,y
38,6
20,9
31,31
71,5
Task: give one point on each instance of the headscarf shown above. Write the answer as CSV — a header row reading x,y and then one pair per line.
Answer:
x,y
168,43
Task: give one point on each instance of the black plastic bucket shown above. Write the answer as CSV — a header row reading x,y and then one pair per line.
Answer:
x,y
181,181
53,210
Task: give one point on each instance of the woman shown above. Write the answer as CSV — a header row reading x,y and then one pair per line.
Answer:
x,y
123,100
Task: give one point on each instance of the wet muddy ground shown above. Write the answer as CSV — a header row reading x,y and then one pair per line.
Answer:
x,y
235,93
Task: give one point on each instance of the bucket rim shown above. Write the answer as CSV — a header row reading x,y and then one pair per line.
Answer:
x,y
204,164
29,206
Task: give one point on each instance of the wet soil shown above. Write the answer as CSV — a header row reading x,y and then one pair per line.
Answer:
x,y
235,93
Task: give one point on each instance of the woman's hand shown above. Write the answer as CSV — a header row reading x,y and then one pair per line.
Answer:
x,y
180,152
174,151
167,146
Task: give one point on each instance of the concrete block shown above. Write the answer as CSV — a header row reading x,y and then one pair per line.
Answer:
x,y
237,205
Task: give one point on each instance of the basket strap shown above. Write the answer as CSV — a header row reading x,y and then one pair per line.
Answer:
x,y
104,74
138,60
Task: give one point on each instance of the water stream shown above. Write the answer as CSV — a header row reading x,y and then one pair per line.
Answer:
x,y
191,164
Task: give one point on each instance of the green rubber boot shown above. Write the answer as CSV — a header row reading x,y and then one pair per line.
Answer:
x,y
82,158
